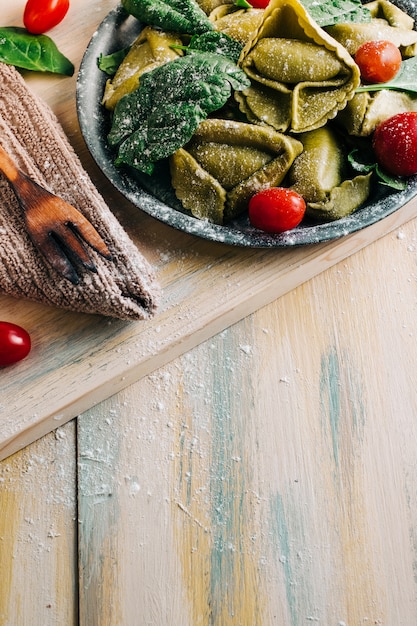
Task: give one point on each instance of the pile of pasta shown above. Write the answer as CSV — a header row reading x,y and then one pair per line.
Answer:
x,y
297,121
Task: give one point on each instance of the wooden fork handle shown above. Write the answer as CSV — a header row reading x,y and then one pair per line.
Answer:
x,y
8,166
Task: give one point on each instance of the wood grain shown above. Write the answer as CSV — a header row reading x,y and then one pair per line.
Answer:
x,y
78,360
267,476
38,532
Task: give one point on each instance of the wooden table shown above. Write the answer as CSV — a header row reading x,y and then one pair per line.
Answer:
x,y
267,475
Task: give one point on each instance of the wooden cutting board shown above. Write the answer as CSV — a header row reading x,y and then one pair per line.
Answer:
x,y
78,360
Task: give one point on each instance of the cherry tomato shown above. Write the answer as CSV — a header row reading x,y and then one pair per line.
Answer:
x,y
395,144
259,4
378,61
15,343
41,15
276,210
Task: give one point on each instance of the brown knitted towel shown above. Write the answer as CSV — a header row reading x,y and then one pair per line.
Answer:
x,y
126,287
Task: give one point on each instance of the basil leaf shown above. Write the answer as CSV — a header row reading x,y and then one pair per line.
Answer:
x,y
161,115
332,12
109,63
217,42
363,161
395,182
405,80
32,52
181,16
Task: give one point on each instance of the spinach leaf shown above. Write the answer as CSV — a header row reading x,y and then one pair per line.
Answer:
x,y
32,52
161,115
155,140
405,80
181,16
332,12
217,42
109,63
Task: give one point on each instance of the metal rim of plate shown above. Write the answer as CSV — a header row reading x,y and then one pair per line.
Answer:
x,y
156,198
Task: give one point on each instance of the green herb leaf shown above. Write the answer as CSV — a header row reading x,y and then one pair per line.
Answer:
x,y
181,16
161,115
109,63
217,42
405,80
243,4
156,140
395,182
332,12
363,162
32,52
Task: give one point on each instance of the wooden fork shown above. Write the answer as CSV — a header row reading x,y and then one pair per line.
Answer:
x,y
58,230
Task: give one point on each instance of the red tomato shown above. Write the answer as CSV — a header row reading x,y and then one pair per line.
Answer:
x,y
378,61
259,4
395,144
276,210
15,343
41,15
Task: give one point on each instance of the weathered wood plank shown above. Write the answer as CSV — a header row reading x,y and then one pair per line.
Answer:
x,y
38,533
266,477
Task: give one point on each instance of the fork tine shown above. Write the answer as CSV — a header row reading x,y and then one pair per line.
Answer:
x,y
52,251
72,217
86,231
57,228
69,238
62,244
